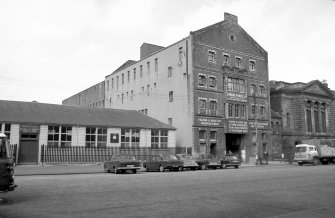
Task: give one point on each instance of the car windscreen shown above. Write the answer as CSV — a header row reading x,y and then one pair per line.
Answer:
x,y
169,157
231,157
300,149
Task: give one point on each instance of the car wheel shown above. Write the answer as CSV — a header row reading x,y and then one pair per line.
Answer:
x,y
161,169
204,167
180,169
223,166
135,171
236,167
300,164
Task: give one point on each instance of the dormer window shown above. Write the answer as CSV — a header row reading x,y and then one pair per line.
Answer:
x,y
225,59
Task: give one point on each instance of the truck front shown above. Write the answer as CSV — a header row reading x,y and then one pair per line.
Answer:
x,y
6,166
305,154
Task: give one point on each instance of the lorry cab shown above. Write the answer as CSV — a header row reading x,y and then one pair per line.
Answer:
x,y
6,166
305,153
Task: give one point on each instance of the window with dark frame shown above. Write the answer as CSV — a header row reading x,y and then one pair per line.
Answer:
x,y
252,65
211,56
212,82
238,62
170,96
202,80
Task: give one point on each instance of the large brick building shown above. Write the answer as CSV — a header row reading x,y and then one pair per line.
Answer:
x,y
305,111
212,86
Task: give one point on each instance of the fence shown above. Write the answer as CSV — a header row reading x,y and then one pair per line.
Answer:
x,y
79,154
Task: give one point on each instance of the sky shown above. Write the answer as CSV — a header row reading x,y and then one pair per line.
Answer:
x,y
53,49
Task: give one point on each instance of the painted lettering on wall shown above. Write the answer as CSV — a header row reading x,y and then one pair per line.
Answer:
x,y
237,126
236,96
203,121
260,124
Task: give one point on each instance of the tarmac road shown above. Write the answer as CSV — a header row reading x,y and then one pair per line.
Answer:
x,y
264,191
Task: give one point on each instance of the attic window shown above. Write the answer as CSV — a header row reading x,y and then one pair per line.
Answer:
x,y
232,38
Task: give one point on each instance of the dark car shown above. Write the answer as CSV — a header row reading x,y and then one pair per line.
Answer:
x,y
188,161
206,161
230,160
164,162
122,163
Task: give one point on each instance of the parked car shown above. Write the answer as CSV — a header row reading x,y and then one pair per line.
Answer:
x,y
206,161
230,160
188,161
122,163
163,162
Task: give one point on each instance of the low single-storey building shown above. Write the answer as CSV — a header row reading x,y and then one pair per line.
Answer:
x,y
31,125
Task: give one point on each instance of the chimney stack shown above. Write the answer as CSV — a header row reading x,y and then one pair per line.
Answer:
x,y
230,18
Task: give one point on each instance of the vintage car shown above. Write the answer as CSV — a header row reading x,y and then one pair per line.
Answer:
x,y
164,162
206,161
230,160
188,161
122,163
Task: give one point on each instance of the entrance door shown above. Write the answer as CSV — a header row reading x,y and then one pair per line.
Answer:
x,y
213,149
233,143
28,151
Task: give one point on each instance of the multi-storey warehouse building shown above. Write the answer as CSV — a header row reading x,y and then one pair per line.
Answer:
x,y
212,86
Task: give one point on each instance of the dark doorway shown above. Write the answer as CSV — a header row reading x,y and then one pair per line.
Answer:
x,y
28,151
233,143
212,149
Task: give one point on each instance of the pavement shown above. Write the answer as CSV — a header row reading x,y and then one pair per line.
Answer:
x,y
62,169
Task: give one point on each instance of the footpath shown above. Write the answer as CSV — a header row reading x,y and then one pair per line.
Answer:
x,y
63,169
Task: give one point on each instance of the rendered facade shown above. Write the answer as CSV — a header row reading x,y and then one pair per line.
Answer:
x,y
212,86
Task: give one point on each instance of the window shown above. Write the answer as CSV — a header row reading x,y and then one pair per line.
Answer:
x,y
170,121
211,56
96,137
262,90
135,138
253,109
262,110
213,135
253,89
171,96
164,139
131,95
309,118
323,119
202,135
7,130
230,84
159,139
125,138
59,136
107,84
243,111
112,83
316,119
238,62
141,70
122,81
225,59
242,86
202,80
252,65
148,67
134,73
212,107
122,98
128,76
154,139
230,110
212,82
156,64
202,105
169,71
237,110
236,85
148,90
181,55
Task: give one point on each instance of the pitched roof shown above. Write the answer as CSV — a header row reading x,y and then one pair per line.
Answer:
x,y
40,113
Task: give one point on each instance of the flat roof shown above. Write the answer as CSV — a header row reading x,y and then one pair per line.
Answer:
x,y
41,113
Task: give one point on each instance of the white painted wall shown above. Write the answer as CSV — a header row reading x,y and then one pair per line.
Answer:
x,y
157,102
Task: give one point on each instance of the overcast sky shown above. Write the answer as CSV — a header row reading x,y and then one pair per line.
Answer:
x,y
51,50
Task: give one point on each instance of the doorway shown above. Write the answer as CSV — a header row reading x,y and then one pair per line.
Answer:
x,y
233,144
28,151
212,149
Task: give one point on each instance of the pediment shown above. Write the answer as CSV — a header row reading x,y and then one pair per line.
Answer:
x,y
316,89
